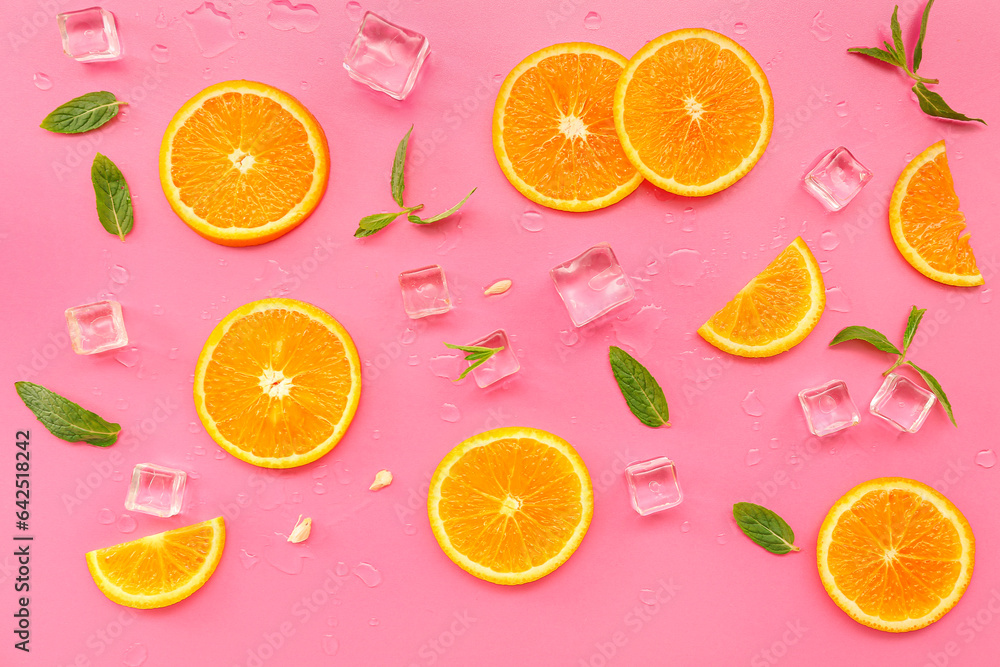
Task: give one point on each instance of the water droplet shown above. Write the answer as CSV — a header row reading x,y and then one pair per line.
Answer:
x,y
106,517
408,336
753,457
829,240
320,471
330,643
121,404
219,454
413,360
824,265
367,573
837,301
117,476
450,413
668,218
685,267
341,569
532,221
319,488
376,434
194,427
740,28
752,405
985,295
248,559
647,596
987,458
158,309
373,621
206,73
688,219
160,53
652,267
304,85
173,353
686,527
42,81
639,330
841,109
774,443
342,474
213,30
409,529
592,21
354,11
721,538
820,30
118,274
569,337
135,655
205,315
126,524
199,450
194,474
283,15
241,35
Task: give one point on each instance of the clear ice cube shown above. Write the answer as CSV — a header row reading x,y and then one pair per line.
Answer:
x,y
902,403
498,366
385,56
96,327
592,284
425,291
156,490
829,408
653,485
90,35
836,179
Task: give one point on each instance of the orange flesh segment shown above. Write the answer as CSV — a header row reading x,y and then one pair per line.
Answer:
x,y
165,562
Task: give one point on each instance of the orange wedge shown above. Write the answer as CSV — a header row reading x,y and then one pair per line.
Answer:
x,y
243,163
926,224
277,383
510,505
775,311
553,132
694,111
161,569
895,554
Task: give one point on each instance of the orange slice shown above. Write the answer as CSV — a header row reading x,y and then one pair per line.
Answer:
x,y
553,132
243,163
775,311
693,111
895,554
161,569
510,505
277,383
926,224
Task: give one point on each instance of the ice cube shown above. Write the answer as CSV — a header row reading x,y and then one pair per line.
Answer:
x,y
829,408
653,485
156,490
592,284
498,366
902,403
425,291
385,56
90,35
96,327
836,179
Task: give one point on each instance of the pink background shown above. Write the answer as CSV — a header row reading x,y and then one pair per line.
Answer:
x,y
722,600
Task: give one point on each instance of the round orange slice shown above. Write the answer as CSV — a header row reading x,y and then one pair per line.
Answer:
x,y
926,224
243,163
161,569
553,131
895,554
277,383
775,311
510,505
694,111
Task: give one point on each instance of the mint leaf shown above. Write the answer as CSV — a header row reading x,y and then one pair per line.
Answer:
x,y
897,36
765,528
114,201
879,54
640,389
933,104
441,216
370,224
477,354
398,167
916,314
918,50
935,387
867,335
64,418
82,114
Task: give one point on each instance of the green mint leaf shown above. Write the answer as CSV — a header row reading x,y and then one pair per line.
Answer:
x,y
441,216
398,167
935,387
878,54
916,314
82,114
641,391
765,528
114,201
867,335
933,104
64,418
897,36
918,50
370,224
477,354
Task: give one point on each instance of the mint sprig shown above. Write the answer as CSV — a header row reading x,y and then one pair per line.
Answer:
x,y
476,354
370,224
114,201
640,389
765,528
64,418
880,342
82,114
931,103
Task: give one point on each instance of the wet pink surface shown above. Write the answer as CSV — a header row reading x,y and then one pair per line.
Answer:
x,y
371,585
